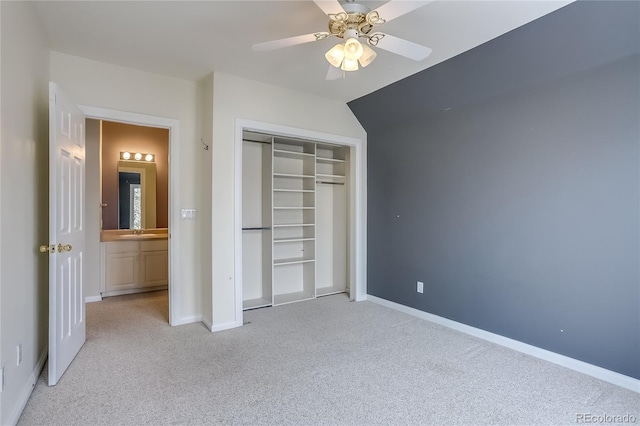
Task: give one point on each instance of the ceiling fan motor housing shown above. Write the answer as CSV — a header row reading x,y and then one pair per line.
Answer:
x,y
355,17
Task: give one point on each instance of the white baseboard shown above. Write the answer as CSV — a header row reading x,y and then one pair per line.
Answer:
x,y
28,388
187,320
134,291
571,363
90,299
221,327
225,326
207,323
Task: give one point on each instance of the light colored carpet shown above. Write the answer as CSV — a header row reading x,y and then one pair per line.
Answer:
x,y
326,361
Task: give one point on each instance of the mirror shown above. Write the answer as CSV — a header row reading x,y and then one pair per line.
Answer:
x,y
136,195
153,194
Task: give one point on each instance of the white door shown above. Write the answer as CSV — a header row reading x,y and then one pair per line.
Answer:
x,y
66,231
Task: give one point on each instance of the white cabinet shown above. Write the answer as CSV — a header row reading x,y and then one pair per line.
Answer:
x,y
134,266
294,220
154,263
122,265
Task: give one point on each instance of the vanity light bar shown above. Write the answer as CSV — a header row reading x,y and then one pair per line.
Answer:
x,y
138,156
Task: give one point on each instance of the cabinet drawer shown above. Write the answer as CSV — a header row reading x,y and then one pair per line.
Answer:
x,y
122,246
156,245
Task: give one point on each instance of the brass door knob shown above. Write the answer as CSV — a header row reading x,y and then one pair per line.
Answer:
x,y
45,248
65,247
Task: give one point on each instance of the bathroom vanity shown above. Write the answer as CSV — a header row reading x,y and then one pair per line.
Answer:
x,y
133,261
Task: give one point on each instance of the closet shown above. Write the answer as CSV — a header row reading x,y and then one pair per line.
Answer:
x,y
294,219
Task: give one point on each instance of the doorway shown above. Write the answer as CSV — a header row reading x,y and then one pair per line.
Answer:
x,y
147,258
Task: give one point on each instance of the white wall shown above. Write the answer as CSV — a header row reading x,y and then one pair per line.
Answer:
x,y
24,198
238,98
103,85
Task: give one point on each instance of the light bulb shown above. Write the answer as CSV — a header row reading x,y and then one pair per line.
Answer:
x,y
368,56
126,155
350,65
335,55
149,157
138,156
352,49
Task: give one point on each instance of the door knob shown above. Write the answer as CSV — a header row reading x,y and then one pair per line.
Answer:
x,y
45,248
66,247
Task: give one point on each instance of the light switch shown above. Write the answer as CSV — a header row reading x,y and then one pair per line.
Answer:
x,y
187,214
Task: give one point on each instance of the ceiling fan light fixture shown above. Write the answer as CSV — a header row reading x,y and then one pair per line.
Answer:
x,y
353,49
349,65
335,55
368,55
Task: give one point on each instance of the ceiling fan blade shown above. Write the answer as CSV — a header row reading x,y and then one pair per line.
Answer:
x,y
284,42
334,73
394,8
403,47
329,6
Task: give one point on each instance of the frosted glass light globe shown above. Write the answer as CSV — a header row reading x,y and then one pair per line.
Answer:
x,y
353,49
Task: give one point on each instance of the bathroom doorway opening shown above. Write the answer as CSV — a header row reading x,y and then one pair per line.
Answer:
x,y
130,181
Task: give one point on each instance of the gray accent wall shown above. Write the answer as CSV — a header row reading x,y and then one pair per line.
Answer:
x,y
514,194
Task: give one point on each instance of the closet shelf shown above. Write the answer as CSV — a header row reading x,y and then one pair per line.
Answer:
x,y
289,175
291,225
292,190
255,303
329,160
329,176
294,208
334,289
281,299
291,154
292,240
291,261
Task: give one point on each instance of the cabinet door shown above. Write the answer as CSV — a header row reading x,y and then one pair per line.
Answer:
x,y
122,271
155,268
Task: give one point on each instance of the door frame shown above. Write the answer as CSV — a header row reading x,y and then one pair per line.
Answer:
x,y
357,202
173,126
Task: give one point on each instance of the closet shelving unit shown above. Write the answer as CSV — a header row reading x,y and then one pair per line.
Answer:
x,y
331,178
294,216
297,190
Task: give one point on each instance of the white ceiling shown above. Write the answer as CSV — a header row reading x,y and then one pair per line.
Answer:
x,y
190,39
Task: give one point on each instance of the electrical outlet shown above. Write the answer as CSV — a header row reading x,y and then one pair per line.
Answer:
x,y
420,287
19,354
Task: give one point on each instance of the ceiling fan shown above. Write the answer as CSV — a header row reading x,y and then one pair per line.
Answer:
x,y
351,21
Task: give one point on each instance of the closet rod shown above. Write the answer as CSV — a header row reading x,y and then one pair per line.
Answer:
x,y
250,140
330,183
256,229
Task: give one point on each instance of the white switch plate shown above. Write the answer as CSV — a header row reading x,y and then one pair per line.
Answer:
x,y
420,287
187,213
